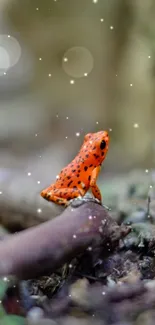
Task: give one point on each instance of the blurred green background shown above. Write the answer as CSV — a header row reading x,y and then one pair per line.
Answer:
x,y
67,68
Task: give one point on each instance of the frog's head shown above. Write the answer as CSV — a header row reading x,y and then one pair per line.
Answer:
x,y
97,145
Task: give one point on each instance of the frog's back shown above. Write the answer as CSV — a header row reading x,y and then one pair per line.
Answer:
x,y
70,175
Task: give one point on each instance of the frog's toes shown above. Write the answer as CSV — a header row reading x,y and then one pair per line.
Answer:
x,y
91,199
76,202
81,200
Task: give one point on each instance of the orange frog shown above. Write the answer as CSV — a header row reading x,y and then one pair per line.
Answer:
x,y
81,174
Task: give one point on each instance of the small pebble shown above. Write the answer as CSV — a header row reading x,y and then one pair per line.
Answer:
x,y
35,314
110,282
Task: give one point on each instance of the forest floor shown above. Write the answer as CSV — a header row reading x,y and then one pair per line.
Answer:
x,y
106,277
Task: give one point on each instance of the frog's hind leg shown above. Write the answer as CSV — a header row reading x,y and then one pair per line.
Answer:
x,y
50,195
61,196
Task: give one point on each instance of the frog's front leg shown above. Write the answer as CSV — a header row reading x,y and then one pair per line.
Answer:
x,y
94,188
63,196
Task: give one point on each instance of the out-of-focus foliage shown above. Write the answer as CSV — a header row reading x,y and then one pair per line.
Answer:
x,y
13,320
3,288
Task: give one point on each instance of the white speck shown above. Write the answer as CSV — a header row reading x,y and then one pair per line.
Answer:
x,y
66,137
103,293
111,27
67,117
9,36
57,115
100,229
72,82
4,73
28,174
57,177
94,217
74,236
110,130
37,8
1,192
90,141
131,85
49,75
65,59
97,122
136,125
39,156
84,147
70,266
151,186
17,300
5,279
39,210
90,217
83,185
101,20
77,134
0,301
89,248
95,1
149,56
40,59
38,182
85,74
146,170
141,244
116,75
36,135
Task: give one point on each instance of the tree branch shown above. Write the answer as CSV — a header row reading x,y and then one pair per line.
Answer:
x,y
44,248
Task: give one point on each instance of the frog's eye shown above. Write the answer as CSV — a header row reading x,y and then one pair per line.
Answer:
x,y
102,144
